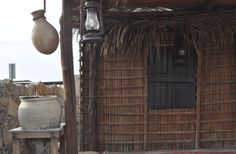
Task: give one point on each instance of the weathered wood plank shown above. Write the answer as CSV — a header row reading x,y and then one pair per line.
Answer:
x,y
18,133
68,77
167,3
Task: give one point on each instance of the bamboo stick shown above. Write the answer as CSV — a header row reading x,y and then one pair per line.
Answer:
x,y
121,78
110,96
145,111
198,99
218,139
219,120
219,102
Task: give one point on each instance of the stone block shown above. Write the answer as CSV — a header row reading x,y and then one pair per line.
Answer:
x,y
13,108
1,144
7,139
4,102
3,115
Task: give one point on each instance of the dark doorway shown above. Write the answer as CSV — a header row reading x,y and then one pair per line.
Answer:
x,y
171,78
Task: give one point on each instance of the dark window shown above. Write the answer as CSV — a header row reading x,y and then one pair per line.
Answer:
x,y
171,78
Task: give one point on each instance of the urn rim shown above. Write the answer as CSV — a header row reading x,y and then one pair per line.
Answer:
x,y
38,14
37,98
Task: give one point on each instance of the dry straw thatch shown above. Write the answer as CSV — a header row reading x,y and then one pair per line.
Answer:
x,y
144,34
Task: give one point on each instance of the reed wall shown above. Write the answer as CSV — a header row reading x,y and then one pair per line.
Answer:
x,y
125,123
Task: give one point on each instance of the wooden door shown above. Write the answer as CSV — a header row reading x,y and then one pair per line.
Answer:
x,y
171,79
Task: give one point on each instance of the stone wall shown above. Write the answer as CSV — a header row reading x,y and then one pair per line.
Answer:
x,y
9,102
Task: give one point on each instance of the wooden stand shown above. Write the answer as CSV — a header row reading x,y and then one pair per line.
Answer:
x,y
55,135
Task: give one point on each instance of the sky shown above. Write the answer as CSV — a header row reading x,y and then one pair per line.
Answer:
x,y
16,45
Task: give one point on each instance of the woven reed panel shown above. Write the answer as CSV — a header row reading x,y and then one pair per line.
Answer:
x,y
218,97
120,102
171,129
121,97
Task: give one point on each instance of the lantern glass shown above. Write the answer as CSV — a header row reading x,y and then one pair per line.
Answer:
x,y
91,21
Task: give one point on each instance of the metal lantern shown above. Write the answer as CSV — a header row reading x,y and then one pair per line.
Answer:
x,y
91,22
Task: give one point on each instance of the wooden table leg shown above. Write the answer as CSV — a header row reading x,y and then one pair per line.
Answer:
x,y
54,145
62,144
16,146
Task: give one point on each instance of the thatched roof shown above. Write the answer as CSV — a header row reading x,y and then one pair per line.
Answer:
x,y
208,29
145,28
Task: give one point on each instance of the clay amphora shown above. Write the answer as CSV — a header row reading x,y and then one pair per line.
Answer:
x,y
44,36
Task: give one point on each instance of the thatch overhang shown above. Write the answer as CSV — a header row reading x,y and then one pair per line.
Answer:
x,y
209,27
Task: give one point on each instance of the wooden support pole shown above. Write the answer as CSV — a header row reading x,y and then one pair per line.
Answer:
x,y
68,77
92,115
209,4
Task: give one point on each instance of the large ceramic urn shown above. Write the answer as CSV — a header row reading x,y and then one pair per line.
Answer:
x,y
44,36
39,112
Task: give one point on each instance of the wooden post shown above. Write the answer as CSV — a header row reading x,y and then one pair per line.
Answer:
x,y
62,144
92,118
54,145
68,77
16,146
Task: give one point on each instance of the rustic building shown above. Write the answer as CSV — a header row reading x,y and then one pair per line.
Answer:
x,y
162,79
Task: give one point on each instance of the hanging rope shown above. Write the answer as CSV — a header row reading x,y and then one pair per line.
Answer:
x,y
44,5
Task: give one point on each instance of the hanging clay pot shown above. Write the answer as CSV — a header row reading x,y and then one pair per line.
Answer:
x,y
44,36
39,112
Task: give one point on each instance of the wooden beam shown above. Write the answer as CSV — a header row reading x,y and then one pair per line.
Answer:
x,y
92,114
165,3
68,77
209,4
135,15
153,3
124,16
